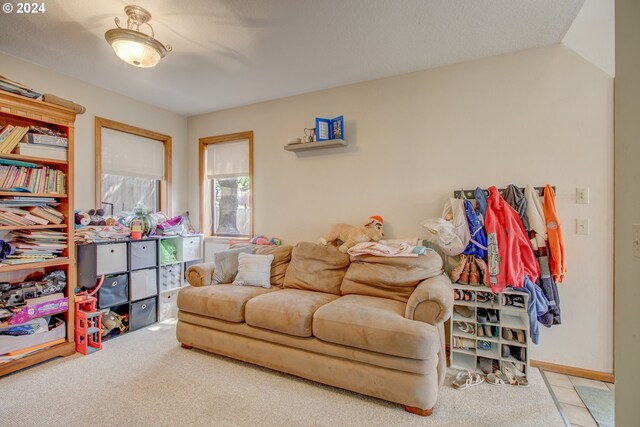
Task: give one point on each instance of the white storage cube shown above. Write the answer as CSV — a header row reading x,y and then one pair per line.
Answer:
x,y
111,258
169,305
191,248
170,276
143,284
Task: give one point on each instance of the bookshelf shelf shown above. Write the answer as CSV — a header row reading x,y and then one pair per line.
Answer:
x,y
31,227
21,194
34,265
31,159
20,111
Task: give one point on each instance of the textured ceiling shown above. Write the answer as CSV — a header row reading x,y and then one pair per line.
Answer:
x,y
235,52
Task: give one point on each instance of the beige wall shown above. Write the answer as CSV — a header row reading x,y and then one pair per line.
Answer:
x,y
107,104
627,174
535,116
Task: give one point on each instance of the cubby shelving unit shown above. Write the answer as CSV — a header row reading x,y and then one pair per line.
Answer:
x,y
22,111
509,317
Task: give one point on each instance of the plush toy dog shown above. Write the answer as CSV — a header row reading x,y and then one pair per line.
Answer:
x,y
350,235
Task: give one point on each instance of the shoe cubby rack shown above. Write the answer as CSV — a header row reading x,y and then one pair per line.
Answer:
x,y
505,318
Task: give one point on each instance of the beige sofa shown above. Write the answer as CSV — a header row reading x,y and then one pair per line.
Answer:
x,y
373,325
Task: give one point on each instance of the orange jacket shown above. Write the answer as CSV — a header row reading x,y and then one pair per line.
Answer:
x,y
557,257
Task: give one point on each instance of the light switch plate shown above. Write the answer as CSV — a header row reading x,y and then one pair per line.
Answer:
x,y
635,240
582,196
582,226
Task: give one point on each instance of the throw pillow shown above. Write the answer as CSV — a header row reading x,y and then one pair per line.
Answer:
x,y
254,270
226,265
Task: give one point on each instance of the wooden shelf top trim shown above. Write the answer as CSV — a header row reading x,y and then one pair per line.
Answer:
x,y
304,146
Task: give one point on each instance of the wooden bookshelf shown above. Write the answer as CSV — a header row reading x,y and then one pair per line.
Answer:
x,y
32,227
21,111
31,159
21,194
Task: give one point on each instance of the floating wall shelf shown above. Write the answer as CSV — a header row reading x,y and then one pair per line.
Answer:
x,y
316,145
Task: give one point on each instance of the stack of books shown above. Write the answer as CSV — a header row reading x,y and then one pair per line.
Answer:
x,y
34,180
11,215
44,142
36,246
10,137
18,88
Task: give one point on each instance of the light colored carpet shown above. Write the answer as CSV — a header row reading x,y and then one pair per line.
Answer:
x,y
600,404
144,378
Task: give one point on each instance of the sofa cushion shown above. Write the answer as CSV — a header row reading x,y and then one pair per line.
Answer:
x,y
389,277
289,311
225,302
226,265
316,267
281,259
375,324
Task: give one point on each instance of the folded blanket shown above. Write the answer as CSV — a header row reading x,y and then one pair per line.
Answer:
x,y
374,248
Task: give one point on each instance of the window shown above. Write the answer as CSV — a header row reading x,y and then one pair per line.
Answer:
x,y
226,172
133,165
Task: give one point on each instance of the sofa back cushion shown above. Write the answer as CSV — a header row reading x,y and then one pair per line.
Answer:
x,y
281,259
316,267
392,278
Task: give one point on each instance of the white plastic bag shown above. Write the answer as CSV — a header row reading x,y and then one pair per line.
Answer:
x,y
451,236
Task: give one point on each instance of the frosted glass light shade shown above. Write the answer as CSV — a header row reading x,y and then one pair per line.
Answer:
x,y
135,48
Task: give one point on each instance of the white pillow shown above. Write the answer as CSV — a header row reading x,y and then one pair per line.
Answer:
x,y
254,270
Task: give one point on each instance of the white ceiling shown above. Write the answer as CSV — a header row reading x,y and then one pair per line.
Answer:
x,y
235,52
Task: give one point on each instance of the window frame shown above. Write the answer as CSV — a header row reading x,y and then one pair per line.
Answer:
x,y
164,195
206,224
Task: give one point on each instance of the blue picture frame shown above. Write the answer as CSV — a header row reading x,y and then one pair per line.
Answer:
x,y
327,129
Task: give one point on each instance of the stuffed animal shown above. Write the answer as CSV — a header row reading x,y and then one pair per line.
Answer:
x,y
350,235
97,217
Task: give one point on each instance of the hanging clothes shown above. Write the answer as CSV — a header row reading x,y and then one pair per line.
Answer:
x,y
537,306
481,201
514,196
509,252
557,255
538,236
478,238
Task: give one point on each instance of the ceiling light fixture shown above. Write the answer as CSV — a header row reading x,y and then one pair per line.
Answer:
x,y
133,46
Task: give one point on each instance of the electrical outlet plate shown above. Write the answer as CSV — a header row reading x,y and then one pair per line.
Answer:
x,y
582,196
582,226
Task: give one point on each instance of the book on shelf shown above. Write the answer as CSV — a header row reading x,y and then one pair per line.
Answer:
x,y
4,132
47,213
12,140
32,179
35,246
12,86
51,152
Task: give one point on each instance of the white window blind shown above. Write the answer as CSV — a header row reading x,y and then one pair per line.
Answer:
x,y
228,160
131,155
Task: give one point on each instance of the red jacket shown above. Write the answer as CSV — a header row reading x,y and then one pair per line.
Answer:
x,y
510,253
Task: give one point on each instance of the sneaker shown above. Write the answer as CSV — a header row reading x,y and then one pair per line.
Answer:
x,y
484,345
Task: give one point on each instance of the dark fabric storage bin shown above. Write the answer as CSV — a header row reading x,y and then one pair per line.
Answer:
x,y
143,254
143,313
114,291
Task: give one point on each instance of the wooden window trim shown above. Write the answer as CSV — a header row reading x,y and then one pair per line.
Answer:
x,y
165,185
205,223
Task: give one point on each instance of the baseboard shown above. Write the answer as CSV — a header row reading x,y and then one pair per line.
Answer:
x,y
576,372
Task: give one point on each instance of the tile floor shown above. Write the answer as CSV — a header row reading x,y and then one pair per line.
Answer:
x,y
563,388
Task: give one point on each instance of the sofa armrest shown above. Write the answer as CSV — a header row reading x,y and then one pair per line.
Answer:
x,y
432,301
201,274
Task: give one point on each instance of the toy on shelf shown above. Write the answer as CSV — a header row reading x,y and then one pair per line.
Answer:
x,y
88,321
350,235
264,240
